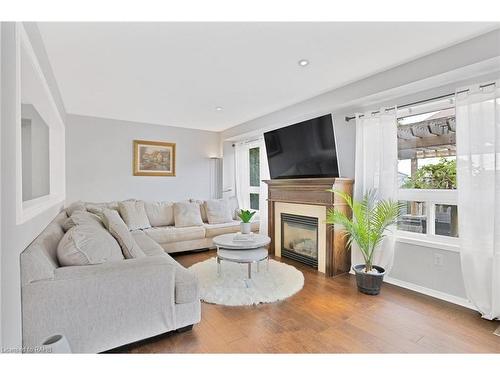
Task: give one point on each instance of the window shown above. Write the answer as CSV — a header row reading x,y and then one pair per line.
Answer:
x,y
446,220
254,178
427,172
413,217
254,201
248,173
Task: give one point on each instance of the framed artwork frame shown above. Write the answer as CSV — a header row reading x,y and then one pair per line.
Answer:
x,y
152,158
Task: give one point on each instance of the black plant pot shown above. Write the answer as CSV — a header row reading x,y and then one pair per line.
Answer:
x,y
369,283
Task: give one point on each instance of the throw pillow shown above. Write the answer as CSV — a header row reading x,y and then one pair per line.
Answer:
x,y
120,231
74,207
160,214
134,214
87,244
203,209
81,218
97,208
218,211
187,214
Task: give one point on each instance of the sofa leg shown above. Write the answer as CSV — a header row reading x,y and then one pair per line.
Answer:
x,y
184,329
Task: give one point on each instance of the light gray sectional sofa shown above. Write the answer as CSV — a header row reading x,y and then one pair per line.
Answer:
x,y
101,304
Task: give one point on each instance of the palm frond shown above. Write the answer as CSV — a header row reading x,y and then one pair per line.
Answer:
x,y
346,197
370,220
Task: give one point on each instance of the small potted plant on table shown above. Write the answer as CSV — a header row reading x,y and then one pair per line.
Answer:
x,y
246,216
367,228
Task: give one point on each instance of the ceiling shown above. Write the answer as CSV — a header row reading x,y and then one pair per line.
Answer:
x,y
178,73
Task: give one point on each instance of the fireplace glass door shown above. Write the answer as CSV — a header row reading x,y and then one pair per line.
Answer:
x,y
299,238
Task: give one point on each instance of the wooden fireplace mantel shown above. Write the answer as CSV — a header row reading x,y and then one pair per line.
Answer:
x,y
313,191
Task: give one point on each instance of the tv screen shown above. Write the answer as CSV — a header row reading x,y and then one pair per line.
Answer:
x,y
303,150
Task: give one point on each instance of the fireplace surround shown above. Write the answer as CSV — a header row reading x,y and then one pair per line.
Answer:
x,y
309,197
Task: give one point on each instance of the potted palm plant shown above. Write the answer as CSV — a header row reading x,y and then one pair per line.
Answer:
x,y
367,228
246,217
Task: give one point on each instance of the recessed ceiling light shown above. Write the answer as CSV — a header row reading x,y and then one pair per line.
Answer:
x,y
303,62
219,108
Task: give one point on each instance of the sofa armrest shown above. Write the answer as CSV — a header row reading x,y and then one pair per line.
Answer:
x,y
103,306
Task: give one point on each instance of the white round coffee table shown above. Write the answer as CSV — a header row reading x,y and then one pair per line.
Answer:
x,y
248,257
247,252
226,241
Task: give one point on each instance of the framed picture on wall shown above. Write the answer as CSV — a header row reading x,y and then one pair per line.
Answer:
x,y
154,158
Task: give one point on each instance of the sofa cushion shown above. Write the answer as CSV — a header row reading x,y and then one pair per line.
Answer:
x,y
213,230
187,214
199,244
186,286
147,244
203,209
134,214
218,211
173,234
160,213
87,244
82,218
75,206
119,230
97,208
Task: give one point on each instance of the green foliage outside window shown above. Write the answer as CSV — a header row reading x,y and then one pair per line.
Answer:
x,y
442,175
254,201
254,159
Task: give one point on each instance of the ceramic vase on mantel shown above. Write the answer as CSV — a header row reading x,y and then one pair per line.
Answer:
x,y
245,228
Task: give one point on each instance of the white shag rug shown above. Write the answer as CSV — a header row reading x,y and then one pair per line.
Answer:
x,y
232,288
497,331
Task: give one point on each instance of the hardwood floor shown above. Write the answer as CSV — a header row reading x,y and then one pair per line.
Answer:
x,y
330,316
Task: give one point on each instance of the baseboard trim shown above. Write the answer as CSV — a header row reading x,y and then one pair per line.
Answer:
x,y
430,292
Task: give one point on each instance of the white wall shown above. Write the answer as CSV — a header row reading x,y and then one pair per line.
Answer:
x,y
228,182
473,61
27,159
14,238
35,154
99,161
1,183
414,264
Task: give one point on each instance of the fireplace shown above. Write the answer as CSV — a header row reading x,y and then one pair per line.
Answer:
x,y
309,199
299,238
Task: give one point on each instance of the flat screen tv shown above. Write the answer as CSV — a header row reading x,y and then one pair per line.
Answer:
x,y
303,150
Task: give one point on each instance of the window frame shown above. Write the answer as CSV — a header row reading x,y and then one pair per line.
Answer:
x,y
431,198
249,189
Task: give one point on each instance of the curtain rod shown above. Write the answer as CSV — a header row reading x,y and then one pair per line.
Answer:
x,y
248,141
349,118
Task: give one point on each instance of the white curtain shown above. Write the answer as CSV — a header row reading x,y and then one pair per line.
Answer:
x,y
376,168
241,174
264,175
478,181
